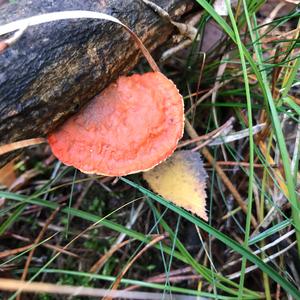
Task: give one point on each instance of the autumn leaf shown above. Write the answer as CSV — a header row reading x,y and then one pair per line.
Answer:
x,y
181,179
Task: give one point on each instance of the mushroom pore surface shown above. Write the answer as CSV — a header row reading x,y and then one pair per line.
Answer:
x,y
133,125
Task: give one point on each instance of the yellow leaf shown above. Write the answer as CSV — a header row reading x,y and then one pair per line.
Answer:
x,y
181,179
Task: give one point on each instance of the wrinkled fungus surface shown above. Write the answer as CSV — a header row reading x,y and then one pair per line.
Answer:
x,y
133,125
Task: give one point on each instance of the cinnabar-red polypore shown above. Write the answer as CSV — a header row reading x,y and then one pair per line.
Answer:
x,y
132,126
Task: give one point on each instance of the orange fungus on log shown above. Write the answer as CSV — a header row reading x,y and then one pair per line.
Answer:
x,y
132,126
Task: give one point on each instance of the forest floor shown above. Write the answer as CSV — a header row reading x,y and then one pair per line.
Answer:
x,y
239,78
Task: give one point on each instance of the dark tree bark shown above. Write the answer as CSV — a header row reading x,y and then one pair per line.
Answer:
x,y
57,67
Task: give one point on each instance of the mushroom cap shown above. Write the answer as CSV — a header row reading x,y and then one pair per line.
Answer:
x,y
133,125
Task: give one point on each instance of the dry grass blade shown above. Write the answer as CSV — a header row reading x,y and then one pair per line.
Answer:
x,y
23,179
171,279
21,144
37,240
277,173
238,163
7,253
127,267
173,276
235,136
272,16
41,288
224,128
209,93
268,259
100,263
46,245
13,39
262,249
219,75
3,46
250,181
73,240
209,141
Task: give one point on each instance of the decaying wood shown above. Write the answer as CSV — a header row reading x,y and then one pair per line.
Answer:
x,y
55,68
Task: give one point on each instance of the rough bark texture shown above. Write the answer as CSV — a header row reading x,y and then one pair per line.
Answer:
x,y
57,67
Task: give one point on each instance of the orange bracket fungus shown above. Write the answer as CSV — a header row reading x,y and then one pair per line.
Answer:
x,y
132,126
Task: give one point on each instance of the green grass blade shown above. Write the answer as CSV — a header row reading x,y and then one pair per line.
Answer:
x,y
290,288
14,216
261,75
251,141
270,231
127,281
116,227
206,273
292,104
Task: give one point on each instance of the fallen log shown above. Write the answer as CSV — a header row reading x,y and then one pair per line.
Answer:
x,y
55,68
